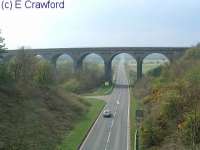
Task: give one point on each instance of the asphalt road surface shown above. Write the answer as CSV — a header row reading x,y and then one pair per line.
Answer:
x,y
112,133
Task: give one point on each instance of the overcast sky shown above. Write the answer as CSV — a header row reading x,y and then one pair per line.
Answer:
x,y
93,23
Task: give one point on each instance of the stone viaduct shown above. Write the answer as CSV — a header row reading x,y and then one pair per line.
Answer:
x,y
106,53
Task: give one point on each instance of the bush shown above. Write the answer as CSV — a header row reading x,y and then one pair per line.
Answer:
x,y
22,67
173,95
72,85
152,134
4,75
193,53
193,75
191,129
84,81
43,74
155,72
173,105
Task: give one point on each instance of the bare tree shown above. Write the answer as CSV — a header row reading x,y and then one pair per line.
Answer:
x,y
2,44
23,66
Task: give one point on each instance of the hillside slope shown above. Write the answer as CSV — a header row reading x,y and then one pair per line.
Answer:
x,y
170,97
36,118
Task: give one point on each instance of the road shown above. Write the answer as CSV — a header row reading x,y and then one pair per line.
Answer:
x,y
112,133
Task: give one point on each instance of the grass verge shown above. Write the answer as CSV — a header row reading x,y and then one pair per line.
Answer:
x,y
133,109
102,90
77,135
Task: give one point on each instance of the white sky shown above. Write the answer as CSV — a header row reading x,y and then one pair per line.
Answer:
x,y
87,23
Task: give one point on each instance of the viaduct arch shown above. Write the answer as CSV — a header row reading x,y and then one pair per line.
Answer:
x,y
106,53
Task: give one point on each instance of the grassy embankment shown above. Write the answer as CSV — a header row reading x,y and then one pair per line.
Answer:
x,y
102,90
134,102
77,135
36,113
133,108
33,118
36,120
133,105
131,74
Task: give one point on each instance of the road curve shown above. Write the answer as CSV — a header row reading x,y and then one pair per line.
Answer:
x,y
112,133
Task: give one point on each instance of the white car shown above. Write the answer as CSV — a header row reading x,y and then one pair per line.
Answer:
x,y
107,113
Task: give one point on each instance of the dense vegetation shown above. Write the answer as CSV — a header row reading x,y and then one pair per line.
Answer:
x,y
35,113
37,110
84,82
170,97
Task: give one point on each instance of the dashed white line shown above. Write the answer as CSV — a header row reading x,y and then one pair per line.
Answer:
x,y
108,139
118,103
115,112
109,134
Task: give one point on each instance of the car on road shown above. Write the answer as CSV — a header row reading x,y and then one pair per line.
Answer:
x,y
107,113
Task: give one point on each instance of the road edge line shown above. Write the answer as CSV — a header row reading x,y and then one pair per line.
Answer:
x,y
128,124
80,147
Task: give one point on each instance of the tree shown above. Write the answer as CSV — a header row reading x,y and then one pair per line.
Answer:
x,y
43,74
198,45
2,44
22,66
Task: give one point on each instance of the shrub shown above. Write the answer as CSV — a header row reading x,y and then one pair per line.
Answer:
x,y
155,72
170,104
193,53
191,129
22,67
193,75
43,74
4,75
72,85
173,105
152,134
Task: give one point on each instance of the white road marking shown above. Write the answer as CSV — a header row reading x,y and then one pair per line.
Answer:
x,y
91,129
108,139
115,112
87,137
128,120
118,103
112,124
